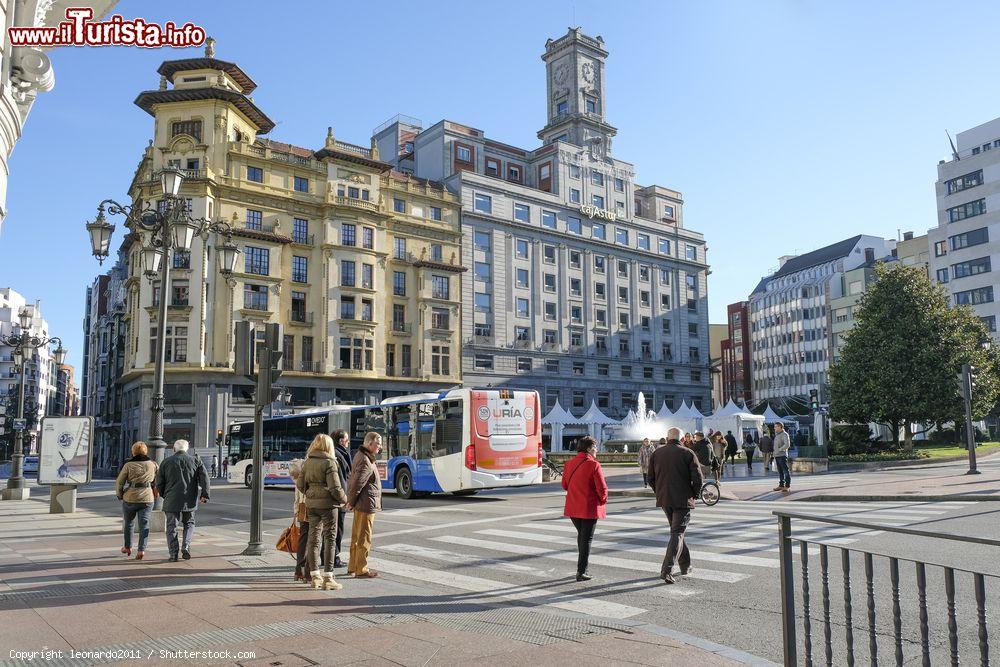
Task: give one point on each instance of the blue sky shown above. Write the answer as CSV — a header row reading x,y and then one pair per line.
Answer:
x,y
786,124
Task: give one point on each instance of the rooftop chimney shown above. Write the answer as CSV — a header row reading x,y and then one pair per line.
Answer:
x,y
907,236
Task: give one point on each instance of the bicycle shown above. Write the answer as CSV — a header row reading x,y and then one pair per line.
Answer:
x,y
553,468
710,493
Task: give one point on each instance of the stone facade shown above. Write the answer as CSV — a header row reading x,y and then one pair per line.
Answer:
x,y
361,266
584,285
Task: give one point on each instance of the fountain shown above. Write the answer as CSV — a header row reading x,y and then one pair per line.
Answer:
x,y
638,424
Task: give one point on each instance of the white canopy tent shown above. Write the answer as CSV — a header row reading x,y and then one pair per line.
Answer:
x,y
595,421
557,418
664,413
735,421
771,417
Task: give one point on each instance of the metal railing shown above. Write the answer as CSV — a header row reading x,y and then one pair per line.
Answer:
x,y
300,316
909,648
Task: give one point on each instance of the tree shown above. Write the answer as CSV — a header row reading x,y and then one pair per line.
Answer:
x,y
900,362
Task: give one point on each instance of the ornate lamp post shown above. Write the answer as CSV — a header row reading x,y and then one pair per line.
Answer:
x,y
24,343
170,228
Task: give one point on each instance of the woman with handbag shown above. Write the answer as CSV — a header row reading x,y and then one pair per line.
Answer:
x,y
364,496
299,517
586,498
320,483
137,500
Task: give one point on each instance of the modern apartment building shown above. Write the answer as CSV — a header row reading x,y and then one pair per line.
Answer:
x,y
790,316
585,285
966,242
737,385
361,265
40,382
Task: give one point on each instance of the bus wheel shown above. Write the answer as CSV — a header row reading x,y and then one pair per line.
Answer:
x,y
248,477
465,492
404,484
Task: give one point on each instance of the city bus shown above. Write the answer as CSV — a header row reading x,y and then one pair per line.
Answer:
x,y
457,441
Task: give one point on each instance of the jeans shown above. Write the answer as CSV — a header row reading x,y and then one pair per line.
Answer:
x,y
584,536
645,479
129,512
784,474
767,456
322,529
341,515
749,453
185,518
679,517
361,542
301,560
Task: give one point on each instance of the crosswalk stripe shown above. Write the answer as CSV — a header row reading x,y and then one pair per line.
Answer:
x,y
463,559
631,565
769,545
499,590
706,518
743,515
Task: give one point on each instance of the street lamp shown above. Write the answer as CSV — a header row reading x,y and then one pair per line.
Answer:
x,y
171,227
24,342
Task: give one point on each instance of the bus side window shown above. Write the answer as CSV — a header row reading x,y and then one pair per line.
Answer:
x,y
399,432
424,431
448,429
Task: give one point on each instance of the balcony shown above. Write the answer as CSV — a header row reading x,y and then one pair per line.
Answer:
x,y
300,317
523,343
309,367
404,328
194,174
444,295
362,204
550,347
401,372
483,340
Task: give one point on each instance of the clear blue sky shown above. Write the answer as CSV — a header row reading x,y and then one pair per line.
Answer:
x,y
786,124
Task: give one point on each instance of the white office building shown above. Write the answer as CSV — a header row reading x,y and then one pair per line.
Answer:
x,y
790,316
39,378
585,285
966,242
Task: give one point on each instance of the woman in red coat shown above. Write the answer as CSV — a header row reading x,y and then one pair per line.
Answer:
x,y
586,496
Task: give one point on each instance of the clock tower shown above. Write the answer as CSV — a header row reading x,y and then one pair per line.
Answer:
x,y
574,68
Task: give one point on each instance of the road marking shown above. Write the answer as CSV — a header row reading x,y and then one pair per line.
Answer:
x,y
732,559
416,511
494,590
631,565
455,524
463,559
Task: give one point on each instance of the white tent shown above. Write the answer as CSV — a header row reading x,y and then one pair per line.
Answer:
x,y
596,421
557,418
771,417
664,413
735,422
728,409
683,412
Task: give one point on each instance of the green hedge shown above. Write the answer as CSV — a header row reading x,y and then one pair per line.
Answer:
x,y
877,456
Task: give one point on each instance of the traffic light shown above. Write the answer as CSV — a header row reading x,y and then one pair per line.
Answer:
x,y
814,399
972,381
243,349
218,437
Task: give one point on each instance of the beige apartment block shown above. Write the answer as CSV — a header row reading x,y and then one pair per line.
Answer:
x,y
359,263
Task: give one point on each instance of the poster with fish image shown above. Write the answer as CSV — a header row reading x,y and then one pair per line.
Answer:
x,y
65,449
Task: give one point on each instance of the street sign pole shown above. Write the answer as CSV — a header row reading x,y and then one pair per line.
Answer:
x,y
255,547
970,431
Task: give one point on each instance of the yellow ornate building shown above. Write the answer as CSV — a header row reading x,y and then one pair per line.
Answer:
x,y
359,263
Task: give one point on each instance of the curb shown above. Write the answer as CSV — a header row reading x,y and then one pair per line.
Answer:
x,y
827,498
720,650
904,463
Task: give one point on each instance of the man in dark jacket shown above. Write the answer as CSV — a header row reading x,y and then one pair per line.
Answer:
x,y
706,456
182,481
342,451
676,477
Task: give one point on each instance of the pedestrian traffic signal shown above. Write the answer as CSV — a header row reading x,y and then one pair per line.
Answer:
x,y
814,399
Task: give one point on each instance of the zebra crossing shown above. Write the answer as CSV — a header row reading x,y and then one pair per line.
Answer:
x,y
533,558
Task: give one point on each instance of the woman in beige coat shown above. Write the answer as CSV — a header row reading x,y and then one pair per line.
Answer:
x,y
320,484
364,496
134,487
